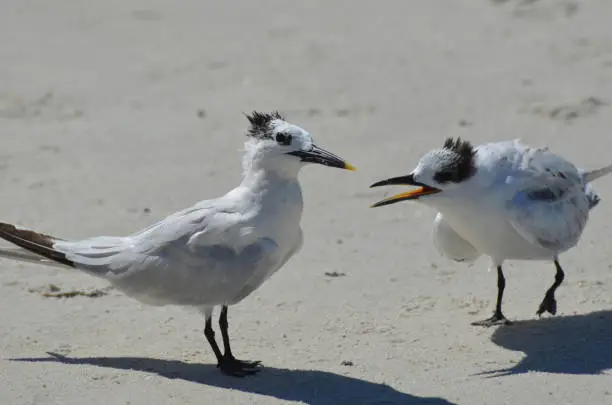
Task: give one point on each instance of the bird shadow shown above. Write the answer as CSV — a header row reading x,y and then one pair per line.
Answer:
x,y
576,344
307,386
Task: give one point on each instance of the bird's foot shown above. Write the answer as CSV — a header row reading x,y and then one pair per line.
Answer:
x,y
497,319
238,368
549,304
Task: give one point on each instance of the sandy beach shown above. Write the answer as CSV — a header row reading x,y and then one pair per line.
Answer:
x,y
114,114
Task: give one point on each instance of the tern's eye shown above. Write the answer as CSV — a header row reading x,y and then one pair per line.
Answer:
x,y
443,177
283,138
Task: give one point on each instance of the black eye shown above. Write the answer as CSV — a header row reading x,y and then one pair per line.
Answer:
x,y
283,138
443,177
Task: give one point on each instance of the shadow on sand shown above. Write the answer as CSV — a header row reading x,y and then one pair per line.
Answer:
x,y
577,344
309,386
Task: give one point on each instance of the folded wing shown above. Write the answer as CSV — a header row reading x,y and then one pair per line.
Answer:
x,y
551,204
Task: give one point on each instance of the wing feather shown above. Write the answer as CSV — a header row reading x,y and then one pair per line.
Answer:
x,y
551,205
201,256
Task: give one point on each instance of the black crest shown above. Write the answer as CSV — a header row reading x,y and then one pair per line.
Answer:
x,y
462,166
260,124
460,147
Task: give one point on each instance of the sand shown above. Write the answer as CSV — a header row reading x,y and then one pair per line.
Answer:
x,y
116,113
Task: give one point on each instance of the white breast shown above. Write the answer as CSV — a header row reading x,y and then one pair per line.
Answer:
x,y
280,215
279,220
450,244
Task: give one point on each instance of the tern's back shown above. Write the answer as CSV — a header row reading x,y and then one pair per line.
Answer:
x,y
513,162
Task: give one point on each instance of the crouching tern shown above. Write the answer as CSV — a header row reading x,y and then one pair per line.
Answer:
x,y
215,253
505,200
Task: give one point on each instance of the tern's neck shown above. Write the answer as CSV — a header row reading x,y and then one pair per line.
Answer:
x,y
259,171
258,177
274,188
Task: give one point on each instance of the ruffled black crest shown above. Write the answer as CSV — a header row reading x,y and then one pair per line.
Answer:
x,y
260,124
460,147
462,166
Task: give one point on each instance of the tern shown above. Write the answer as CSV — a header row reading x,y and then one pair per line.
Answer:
x,y
214,253
505,200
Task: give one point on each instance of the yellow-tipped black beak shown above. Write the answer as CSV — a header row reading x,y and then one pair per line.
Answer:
x,y
322,157
408,180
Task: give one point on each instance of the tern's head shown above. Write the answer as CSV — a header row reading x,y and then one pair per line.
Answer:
x,y
439,171
277,143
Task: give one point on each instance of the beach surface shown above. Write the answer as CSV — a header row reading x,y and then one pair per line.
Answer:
x,y
114,114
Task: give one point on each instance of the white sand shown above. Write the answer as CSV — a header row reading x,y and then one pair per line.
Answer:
x,y
98,121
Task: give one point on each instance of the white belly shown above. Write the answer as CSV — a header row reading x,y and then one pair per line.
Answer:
x,y
493,235
450,244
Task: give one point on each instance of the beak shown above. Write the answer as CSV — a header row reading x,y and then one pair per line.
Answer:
x,y
421,191
322,157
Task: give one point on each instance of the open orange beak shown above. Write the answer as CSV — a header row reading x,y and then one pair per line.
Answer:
x,y
421,191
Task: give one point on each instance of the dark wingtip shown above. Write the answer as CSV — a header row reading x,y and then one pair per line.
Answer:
x,y
38,243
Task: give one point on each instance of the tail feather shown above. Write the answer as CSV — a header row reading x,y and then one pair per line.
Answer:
x,y
595,174
35,242
591,195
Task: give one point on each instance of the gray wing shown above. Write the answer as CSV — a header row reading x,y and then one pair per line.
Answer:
x,y
550,206
104,253
199,256
182,273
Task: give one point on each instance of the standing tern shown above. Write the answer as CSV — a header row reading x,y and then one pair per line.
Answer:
x,y
215,253
505,200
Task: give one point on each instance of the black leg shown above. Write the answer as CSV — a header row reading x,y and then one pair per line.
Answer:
x,y
549,304
498,317
210,336
229,364
224,325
